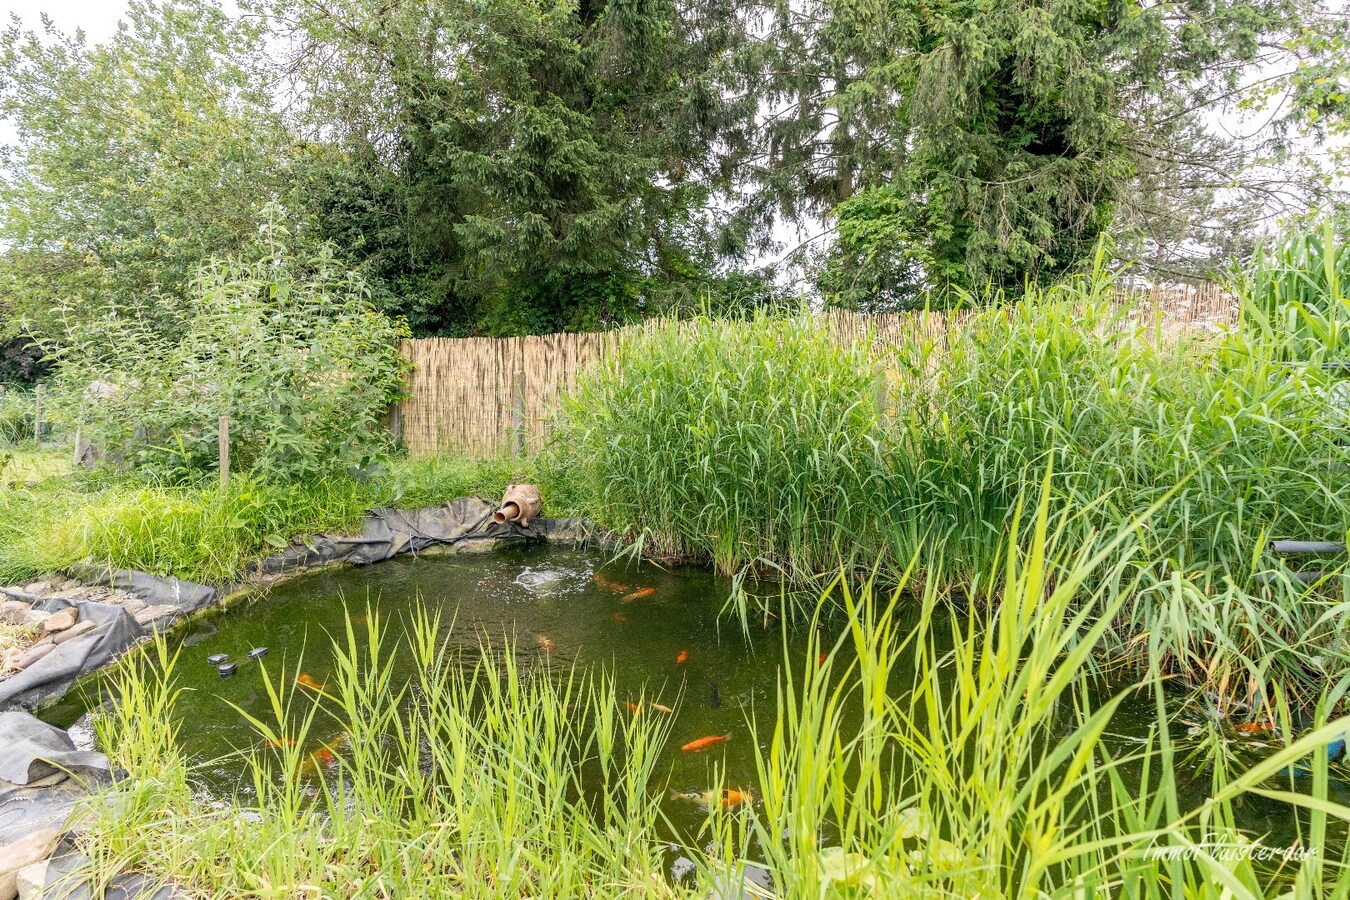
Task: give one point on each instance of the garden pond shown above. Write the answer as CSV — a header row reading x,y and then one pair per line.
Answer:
x,y
665,635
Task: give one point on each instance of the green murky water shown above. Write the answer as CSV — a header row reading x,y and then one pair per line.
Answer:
x,y
672,643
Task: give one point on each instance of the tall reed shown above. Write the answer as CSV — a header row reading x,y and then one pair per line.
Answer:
x,y
764,441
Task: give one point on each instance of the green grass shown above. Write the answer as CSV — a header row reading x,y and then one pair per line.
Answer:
x,y
476,778
201,533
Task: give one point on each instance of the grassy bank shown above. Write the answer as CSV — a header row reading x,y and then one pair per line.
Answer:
x,y
477,778
199,532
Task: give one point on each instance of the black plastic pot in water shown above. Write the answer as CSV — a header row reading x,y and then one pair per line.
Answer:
x,y
227,670
257,653
216,659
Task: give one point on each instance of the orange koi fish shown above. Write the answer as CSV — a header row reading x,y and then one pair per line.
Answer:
x,y
680,660
659,708
704,743
305,681
730,798
282,742
545,644
608,585
1254,727
619,617
638,594
633,708
821,661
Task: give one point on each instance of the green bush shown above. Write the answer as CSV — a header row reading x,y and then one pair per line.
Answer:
x,y
762,440
294,354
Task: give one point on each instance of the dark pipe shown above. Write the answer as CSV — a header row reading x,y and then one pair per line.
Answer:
x,y
1310,548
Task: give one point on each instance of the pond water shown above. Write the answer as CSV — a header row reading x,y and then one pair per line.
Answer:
x,y
662,633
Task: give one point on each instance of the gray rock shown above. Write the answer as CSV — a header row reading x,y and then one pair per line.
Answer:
x,y
39,587
74,631
16,612
154,613
35,653
32,881
60,621
35,847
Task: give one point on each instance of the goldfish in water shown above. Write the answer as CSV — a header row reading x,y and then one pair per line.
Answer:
x,y
305,681
1254,727
282,742
682,658
619,617
634,708
608,585
704,743
545,644
730,798
659,708
821,661
325,757
638,594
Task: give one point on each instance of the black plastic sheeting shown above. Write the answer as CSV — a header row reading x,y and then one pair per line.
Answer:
x,y
465,524
155,591
47,679
37,761
31,750
386,533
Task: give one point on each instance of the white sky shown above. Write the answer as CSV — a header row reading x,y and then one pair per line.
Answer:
x,y
98,18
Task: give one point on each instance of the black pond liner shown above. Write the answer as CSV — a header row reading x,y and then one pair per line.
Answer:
x,y
385,533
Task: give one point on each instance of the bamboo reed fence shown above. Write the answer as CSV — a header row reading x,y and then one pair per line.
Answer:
x,y
488,397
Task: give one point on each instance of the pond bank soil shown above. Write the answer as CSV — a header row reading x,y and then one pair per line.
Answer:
x,y
88,616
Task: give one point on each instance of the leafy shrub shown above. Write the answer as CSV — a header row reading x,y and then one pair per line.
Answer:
x,y
294,354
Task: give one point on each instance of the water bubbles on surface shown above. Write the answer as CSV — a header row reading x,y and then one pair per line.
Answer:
x,y
82,733
682,868
549,580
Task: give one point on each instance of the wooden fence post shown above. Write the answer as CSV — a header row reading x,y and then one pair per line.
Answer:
x,y
39,394
396,422
518,414
224,452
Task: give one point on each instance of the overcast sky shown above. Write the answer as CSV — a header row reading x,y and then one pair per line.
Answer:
x,y
98,18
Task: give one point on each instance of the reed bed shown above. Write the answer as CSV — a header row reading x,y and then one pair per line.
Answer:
x,y
766,444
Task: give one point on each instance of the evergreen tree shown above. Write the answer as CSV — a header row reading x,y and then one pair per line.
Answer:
x,y
522,165
978,143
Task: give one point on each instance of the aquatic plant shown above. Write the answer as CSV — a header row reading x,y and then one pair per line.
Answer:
x,y
474,779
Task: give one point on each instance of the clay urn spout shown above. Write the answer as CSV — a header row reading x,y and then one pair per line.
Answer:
x,y
520,504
